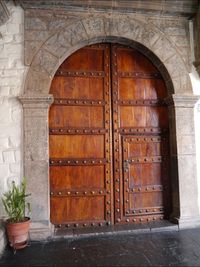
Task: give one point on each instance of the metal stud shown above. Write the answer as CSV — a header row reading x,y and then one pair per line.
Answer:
x,y
117,210
117,200
117,190
85,192
118,219
108,202
68,193
59,193
93,192
108,212
76,193
100,192
127,220
76,224
51,193
92,224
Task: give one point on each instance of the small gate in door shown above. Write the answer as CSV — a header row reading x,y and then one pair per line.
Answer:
x,y
108,135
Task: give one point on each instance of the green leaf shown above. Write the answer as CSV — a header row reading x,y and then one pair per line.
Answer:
x,y
14,201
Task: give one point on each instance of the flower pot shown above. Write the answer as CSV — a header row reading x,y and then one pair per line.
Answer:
x,y
18,233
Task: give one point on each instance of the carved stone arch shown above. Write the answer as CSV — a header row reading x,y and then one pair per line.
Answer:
x,y
36,101
94,30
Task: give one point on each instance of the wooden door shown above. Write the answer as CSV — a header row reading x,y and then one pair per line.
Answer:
x,y
140,129
80,140
108,135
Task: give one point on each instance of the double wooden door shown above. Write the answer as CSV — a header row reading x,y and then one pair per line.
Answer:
x,y
108,136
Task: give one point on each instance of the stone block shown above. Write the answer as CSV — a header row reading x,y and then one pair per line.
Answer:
x,y
38,184
44,62
1,157
175,66
13,28
40,231
94,27
36,23
13,49
15,168
188,190
37,82
57,45
184,124
182,41
4,171
3,240
3,142
75,33
31,48
8,156
163,49
182,84
15,140
17,156
8,81
185,144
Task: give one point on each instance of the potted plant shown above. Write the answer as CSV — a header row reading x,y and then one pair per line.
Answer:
x,y
17,224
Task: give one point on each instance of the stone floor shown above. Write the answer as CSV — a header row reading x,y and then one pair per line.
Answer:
x,y
166,248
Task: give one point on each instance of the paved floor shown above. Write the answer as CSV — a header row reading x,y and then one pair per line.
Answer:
x,y
169,248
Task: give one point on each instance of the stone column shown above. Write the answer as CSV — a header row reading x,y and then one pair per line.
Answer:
x,y
36,161
183,160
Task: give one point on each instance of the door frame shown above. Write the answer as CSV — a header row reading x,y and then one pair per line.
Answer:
x,y
36,104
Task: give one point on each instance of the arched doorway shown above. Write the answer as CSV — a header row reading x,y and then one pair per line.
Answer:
x,y
108,139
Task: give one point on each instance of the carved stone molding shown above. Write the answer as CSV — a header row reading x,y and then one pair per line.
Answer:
x,y
4,13
184,101
183,8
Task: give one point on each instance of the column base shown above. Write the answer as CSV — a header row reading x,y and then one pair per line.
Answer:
x,y
41,230
186,222
3,240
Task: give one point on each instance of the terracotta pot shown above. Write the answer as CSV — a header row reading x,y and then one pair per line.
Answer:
x,y
18,233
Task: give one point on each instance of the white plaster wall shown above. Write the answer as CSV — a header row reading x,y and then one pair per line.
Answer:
x,y
12,73
195,79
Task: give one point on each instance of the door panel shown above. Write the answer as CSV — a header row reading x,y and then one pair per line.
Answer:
x,y
109,143
88,116
140,125
80,140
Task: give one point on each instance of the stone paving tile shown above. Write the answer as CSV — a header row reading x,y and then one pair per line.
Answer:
x,y
171,248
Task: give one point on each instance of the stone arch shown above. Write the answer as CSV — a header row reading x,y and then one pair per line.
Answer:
x,y
148,39
36,101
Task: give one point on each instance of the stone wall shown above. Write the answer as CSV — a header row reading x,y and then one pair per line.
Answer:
x,y
12,72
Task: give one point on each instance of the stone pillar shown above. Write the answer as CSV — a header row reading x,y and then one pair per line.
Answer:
x,y
36,161
183,160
